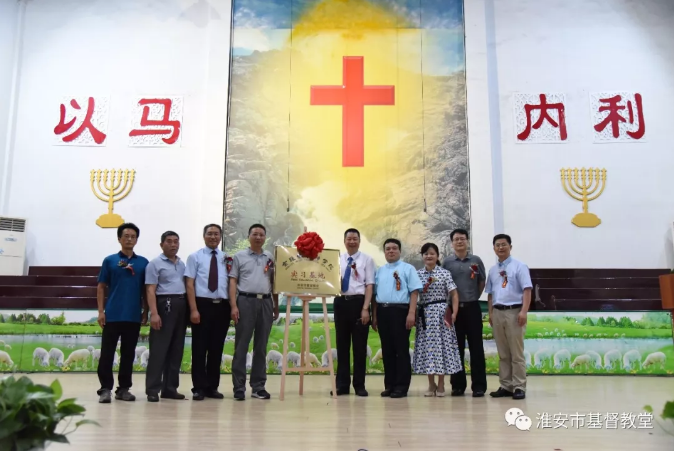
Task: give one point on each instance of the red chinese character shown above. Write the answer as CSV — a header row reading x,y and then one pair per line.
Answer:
x,y
544,107
63,126
145,121
615,118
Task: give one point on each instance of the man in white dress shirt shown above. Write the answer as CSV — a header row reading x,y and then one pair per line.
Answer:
x,y
352,314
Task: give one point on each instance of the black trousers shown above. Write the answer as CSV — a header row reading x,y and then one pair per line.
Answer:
x,y
112,332
167,345
395,347
469,325
348,328
208,340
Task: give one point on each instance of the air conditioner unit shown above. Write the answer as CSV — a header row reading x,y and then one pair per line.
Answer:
x,y
12,246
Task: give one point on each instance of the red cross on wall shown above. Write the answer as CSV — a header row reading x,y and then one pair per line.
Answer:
x,y
353,95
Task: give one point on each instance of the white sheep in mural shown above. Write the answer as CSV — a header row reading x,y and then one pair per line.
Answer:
x,y
115,360
653,358
90,348
226,361
631,358
411,357
294,358
561,357
595,358
6,359
274,357
95,356
527,357
581,360
291,345
376,358
368,351
541,355
611,358
249,361
144,359
80,356
139,351
56,355
8,347
42,357
315,339
274,346
312,359
324,358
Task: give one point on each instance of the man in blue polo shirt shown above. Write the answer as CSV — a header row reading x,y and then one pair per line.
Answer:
x,y
397,285
123,274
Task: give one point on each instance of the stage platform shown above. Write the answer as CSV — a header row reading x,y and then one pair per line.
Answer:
x,y
317,422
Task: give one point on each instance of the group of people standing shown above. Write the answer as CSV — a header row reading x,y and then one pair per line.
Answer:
x,y
212,289
441,300
208,292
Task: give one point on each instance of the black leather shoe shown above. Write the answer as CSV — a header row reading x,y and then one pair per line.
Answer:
x,y
518,394
153,398
386,393
500,392
341,392
198,395
478,393
361,392
172,395
398,395
239,395
214,395
457,392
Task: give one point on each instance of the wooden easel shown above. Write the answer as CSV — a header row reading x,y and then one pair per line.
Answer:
x,y
305,348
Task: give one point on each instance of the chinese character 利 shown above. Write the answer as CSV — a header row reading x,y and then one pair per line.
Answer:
x,y
615,118
63,126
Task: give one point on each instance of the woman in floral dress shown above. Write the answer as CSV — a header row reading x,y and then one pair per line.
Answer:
x,y
436,351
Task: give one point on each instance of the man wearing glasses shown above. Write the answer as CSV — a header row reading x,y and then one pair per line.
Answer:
x,y
509,288
164,279
469,276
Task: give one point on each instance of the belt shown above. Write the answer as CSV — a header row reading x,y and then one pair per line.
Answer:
x,y
422,314
179,295
211,300
502,307
393,305
351,297
259,296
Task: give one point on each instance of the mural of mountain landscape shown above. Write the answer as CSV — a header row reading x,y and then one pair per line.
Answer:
x,y
285,157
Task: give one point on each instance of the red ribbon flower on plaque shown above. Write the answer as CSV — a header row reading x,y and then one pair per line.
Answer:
x,y
430,281
127,265
309,245
228,263
474,270
270,264
504,275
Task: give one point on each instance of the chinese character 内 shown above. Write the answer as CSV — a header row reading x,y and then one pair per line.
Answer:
x,y
578,419
594,420
544,107
611,420
614,117
645,420
87,124
543,420
163,126
627,420
560,420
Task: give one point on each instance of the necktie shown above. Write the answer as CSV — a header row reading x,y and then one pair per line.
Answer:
x,y
213,273
347,276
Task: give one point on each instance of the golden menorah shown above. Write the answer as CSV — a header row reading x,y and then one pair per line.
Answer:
x,y
584,185
111,186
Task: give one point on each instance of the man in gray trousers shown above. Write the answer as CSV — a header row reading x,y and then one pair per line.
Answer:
x,y
164,277
253,311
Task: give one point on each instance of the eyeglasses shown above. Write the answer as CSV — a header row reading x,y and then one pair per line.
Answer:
x,y
501,245
462,239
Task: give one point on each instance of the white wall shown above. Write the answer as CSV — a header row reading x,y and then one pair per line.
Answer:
x,y
9,19
120,48
575,47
